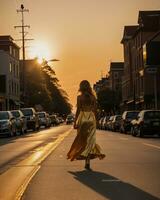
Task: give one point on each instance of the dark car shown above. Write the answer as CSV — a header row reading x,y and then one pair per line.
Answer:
x,y
127,117
147,122
21,122
54,120
32,118
116,122
69,119
7,123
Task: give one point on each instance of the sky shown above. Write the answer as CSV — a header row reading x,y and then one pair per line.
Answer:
x,y
84,35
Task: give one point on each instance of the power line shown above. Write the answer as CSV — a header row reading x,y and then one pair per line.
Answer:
x,y
23,27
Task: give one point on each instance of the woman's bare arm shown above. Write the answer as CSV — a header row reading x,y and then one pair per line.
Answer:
x,y
77,110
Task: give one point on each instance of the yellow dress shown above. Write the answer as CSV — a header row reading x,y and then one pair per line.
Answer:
x,y
84,145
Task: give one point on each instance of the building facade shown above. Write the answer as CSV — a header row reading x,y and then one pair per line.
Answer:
x,y
115,76
137,83
9,74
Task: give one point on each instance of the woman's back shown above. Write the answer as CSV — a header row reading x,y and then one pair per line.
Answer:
x,y
86,102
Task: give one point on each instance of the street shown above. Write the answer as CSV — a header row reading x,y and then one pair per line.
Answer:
x,y
129,171
14,149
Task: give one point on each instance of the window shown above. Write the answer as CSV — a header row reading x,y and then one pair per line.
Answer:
x,y
14,69
10,50
10,67
14,52
12,87
17,70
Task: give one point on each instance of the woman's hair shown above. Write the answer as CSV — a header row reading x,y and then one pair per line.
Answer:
x,y
86,91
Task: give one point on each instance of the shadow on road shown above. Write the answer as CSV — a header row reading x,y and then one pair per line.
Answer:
x,y
111,187
6,139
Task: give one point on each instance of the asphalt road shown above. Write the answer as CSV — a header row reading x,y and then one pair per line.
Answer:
x,y
15,149
130,171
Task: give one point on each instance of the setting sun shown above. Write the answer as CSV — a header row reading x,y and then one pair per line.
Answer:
x,y
41,51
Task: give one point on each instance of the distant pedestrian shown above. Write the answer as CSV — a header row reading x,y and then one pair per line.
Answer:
x,y
84,146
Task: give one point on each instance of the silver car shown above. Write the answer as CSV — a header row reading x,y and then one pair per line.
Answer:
x,y
44,119
21,121
7,123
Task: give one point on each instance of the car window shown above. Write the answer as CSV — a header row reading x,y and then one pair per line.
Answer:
x,y
118,117
4,115
27,112
131,115
15,113
152,115
41,115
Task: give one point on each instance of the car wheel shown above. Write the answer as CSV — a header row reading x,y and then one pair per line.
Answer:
x,y
15,132
22,131
122,129
11,132
25,131
133,132
37,129
34,127
140,132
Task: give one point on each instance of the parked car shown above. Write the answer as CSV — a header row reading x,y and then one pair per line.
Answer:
x,y
116,122
60,120
69,119
32,118
127,117
109,121
44,119
104,123
54,120
21,122
7,123
100,123
147,122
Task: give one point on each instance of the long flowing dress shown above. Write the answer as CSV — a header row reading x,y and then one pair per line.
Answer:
x,y
84,145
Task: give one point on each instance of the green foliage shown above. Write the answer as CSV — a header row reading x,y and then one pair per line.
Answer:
x,y
43,89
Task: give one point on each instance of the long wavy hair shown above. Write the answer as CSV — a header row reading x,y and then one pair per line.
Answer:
x,y
87,92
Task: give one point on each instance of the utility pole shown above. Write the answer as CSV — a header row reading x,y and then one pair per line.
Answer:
x,y
22,10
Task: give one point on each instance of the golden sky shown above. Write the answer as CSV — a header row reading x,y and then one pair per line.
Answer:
x,y
83,34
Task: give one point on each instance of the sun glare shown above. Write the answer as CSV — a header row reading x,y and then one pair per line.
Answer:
x,y
41,51
40,60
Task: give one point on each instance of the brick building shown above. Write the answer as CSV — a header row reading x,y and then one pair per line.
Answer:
x,y
115,76
136,82
9,74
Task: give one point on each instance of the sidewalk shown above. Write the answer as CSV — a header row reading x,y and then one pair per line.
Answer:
x,y
60,179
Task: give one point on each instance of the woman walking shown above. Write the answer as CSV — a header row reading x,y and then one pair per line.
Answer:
x,y
84,146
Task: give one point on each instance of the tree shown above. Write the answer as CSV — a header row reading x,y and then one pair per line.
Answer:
x,y
106,100
43,88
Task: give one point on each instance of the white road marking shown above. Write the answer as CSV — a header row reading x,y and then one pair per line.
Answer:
x,y
111,180
151,145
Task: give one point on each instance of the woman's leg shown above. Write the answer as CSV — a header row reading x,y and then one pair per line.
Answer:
x,y
87,163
